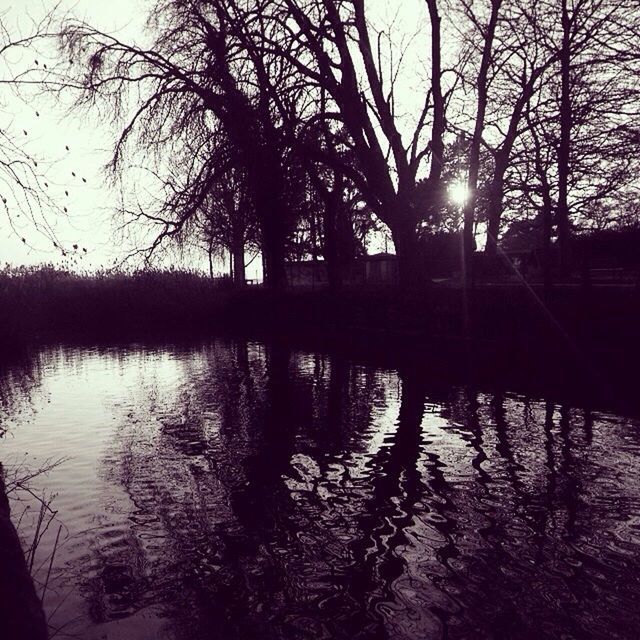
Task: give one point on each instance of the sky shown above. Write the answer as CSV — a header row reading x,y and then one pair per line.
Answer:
x,y
50,131
72,151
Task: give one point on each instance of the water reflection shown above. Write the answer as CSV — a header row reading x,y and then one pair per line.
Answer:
x,y
244,490
20,377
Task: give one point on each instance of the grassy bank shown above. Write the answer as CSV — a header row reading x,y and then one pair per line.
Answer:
x,y
46,304
516,340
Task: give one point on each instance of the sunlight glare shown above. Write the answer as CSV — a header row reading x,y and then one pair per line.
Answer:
x,y
458,193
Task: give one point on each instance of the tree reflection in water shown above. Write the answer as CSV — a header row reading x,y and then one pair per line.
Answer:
x,y
251,491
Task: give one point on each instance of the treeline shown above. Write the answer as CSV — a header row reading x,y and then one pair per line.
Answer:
x,y
297,127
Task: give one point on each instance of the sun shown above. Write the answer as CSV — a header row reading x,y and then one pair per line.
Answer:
x,y
458,193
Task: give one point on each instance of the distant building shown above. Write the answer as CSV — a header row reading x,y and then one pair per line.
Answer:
x,y
306,273
379,269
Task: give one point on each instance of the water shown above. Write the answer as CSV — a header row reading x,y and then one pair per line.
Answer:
x,y
243,490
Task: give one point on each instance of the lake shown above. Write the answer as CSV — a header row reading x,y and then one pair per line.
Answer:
x,y
242,490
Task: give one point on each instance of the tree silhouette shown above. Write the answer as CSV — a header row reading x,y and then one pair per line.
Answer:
x,y
198,69
305,94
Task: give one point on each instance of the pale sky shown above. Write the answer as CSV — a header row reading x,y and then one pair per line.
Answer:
x,y
89,222
89,204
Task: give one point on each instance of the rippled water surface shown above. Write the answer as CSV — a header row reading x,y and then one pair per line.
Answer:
x,y
248,491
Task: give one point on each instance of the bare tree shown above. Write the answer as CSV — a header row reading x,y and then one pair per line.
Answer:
x,y
333,47
281,78
345,219
482,88
197,68
596,92
228,222
510,60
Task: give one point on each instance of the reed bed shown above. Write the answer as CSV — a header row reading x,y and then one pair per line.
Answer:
x,y
46,302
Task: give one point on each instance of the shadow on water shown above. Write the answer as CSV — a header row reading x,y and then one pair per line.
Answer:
x,y
249,490
21,614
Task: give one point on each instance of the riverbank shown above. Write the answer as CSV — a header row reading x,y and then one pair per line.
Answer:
x,y
49,304
512,331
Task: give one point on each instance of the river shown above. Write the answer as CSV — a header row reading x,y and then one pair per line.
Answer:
x,y
243,490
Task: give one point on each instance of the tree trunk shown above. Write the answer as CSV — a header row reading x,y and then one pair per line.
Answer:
x,y
210,253
468,244
493,229
494,210
564,148
547,224
546,212
410,271
331,253
21,615
332,250
237,258
271,210
474,150
439,124
338,245
239,276
273,251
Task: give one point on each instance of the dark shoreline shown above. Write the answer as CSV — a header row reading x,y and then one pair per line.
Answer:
x,y
583,349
